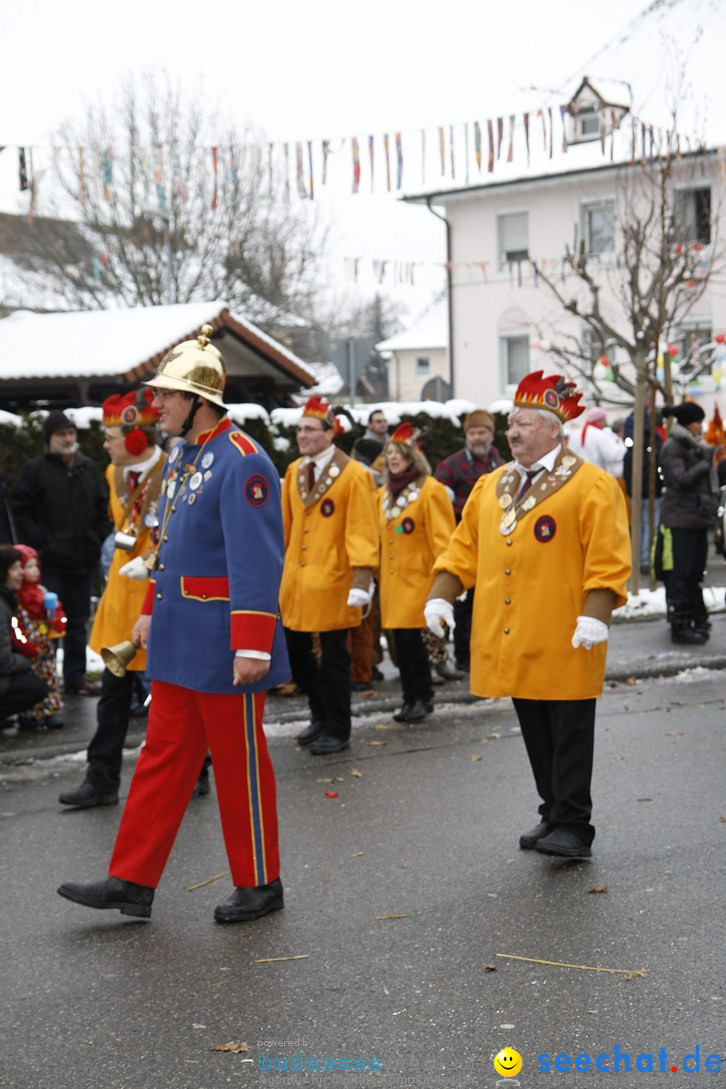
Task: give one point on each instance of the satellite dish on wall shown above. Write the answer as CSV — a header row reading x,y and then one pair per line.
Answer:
x,y
436,389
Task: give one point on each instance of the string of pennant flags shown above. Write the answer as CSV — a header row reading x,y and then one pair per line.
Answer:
x,y
463,152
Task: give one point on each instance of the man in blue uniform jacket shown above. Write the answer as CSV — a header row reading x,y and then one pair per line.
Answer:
x,y
215,646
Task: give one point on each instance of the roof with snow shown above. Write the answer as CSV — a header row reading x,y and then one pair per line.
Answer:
x,y
429,330
668,56
123,347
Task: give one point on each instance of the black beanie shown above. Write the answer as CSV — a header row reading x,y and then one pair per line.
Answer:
x,y
55,421
687,413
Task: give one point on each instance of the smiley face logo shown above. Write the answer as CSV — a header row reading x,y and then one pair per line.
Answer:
x,y
508,1062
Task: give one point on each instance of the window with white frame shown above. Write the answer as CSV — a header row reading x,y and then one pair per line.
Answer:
x,y
514,354
423,366
598,226
692,212
513,237
586,124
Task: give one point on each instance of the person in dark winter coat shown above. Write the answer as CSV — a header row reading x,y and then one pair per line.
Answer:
x,y
7,522
61,509
19,686
688,510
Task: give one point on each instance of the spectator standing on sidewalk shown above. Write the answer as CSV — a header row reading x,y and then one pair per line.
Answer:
x,y
42,621
689,508
459,473
20,688
61,508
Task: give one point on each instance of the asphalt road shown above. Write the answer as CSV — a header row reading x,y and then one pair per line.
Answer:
x,y
424,827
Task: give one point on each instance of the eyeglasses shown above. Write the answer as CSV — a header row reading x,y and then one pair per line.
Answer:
x,y
309,430
164,394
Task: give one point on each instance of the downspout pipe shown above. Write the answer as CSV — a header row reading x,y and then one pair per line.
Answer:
x,y
449,290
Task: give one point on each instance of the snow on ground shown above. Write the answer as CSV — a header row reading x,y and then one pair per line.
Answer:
x,y
649,603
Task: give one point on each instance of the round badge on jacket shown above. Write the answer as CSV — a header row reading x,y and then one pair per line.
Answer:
x,y
408,525
257,490
327,507
545,528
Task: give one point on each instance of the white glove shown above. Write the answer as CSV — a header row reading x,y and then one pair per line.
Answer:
x,y
135,569
358,598
589,631
437,613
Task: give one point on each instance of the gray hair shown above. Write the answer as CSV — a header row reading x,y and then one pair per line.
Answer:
x,y
543,413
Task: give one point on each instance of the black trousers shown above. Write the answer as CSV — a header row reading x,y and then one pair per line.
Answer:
x,y
327,686
74,590
560,740
462,631
105,751
683,583
24,691
413,664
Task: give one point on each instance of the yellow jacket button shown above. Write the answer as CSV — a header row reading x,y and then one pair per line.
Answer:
x,y
507,601
506,631
507,570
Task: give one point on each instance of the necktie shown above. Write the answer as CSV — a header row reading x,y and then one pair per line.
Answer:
x,y
311,475
529,475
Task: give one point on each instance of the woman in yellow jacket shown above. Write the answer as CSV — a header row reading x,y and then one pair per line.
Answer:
x,y
416,521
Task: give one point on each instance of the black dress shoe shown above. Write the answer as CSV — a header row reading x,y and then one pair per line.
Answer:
x,y
418,711
402,715
83,687
244,905
87,796
360,686
528,841
326,745
310,733
124,896
54,722
376,674
563,843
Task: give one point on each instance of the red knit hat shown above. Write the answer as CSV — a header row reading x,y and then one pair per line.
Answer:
x,y
321,410
553,393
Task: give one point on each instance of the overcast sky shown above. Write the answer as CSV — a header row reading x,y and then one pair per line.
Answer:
x,y
321,69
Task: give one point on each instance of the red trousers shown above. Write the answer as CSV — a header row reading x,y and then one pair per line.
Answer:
x,y
183,724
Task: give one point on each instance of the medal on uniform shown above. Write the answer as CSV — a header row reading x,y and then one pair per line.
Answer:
x,y
505,501
507,524
529,502
208,474
196,481
171,489
333,471
174,455
191,499
568,460
207,459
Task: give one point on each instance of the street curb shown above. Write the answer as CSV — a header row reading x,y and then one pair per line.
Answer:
x,y
637,671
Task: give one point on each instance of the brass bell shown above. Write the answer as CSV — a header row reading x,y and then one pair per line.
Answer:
x,y
117,658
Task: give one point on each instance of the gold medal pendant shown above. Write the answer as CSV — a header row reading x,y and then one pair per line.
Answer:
x,y
508,522
505,501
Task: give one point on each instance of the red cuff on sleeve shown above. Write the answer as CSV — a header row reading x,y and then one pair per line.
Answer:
x,y
251,630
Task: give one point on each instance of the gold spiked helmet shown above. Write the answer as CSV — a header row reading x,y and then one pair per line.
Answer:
x,y
194,366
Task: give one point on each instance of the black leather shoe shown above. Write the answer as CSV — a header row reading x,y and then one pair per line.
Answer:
x,y
124,896
402,715
528,841
87,796
563,843
326,745
83,687
310,733
376,674
360,686
244,905
419,711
